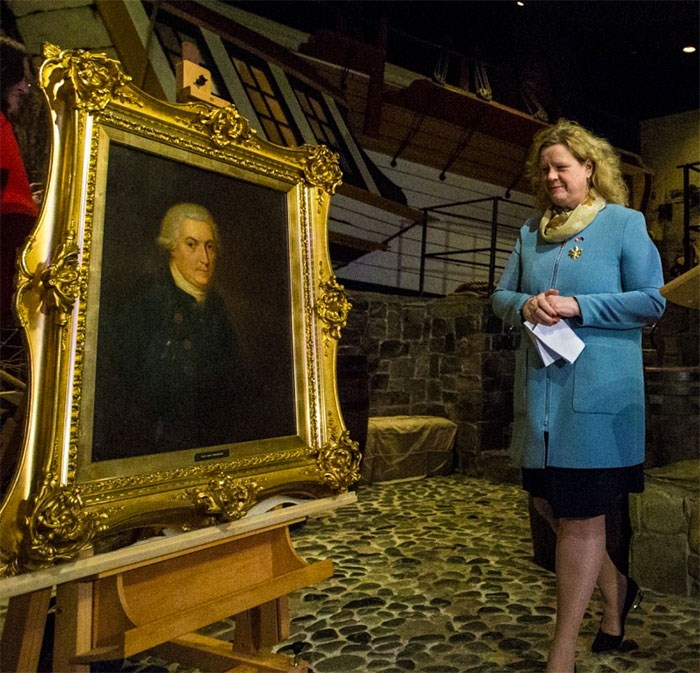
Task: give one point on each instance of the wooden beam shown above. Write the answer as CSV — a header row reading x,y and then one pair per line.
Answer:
x,y
380,202
129,48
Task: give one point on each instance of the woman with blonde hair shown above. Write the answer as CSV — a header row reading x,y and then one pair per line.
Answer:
x,y
578,430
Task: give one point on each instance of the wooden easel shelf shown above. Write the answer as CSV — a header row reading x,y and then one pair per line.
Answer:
x,y
155,595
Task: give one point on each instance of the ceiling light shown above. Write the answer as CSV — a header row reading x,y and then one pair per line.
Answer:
x,y
689,50
520,3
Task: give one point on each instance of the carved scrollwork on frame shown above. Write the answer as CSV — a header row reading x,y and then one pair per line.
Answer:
x,y
56,286
338,460
332,306
225,498
322,168
226,127
58,527
96,78
10,564
60,281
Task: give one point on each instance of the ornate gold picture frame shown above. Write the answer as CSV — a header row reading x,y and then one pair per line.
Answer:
x,y
122,428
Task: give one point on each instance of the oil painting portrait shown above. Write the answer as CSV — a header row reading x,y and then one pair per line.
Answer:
x,y
188,325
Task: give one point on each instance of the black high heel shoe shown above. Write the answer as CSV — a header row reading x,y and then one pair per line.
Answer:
x,y
604,642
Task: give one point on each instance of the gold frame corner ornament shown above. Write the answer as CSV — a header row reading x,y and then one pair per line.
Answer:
x,y
96,79
322,168
57,525
67,497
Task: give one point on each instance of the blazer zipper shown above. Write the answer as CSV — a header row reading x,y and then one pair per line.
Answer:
x,y
552,284
555,270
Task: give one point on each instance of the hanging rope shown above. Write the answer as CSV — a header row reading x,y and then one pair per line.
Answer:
x,y
483,88
443,62
532,103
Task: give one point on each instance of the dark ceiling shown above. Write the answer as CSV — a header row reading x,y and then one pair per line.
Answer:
x,y
607,64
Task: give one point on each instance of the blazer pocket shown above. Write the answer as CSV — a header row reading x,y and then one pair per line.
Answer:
x,y
607,379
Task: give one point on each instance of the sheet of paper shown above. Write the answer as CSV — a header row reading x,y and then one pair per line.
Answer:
x,y
545,354
559,340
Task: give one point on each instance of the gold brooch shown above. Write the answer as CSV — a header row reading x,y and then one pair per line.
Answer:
x,y
575,252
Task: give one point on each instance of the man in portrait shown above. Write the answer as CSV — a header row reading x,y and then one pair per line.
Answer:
x,y
171,376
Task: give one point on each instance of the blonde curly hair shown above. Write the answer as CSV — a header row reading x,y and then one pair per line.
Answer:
x,y
606,178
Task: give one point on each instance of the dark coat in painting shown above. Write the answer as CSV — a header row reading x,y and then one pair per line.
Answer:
x,y
177,373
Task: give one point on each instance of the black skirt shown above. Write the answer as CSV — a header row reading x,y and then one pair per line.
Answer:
x,y
581,493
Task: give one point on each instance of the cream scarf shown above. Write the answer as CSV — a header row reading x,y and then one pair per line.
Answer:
x,y
560,225
185,285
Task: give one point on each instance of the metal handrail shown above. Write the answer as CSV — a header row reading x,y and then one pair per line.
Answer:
x,y
493,248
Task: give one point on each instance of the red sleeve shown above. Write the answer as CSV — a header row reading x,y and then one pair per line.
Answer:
x,y
15,193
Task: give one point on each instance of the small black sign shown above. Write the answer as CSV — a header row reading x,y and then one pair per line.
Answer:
x,y
210,455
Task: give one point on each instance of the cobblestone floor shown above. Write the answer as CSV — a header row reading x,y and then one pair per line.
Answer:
x,y
436,576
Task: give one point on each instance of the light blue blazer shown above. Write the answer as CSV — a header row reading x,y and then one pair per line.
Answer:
x,y
592,409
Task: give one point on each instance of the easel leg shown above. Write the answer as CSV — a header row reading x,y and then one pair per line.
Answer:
x,y
23,632
73,626
262,626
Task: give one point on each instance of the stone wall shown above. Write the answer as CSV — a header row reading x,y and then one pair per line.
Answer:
x,y
451,357
666,530
443,357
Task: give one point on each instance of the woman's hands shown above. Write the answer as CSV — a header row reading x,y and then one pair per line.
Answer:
x,y
547,308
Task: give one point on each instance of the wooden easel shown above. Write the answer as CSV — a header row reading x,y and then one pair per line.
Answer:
x,y
155,595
